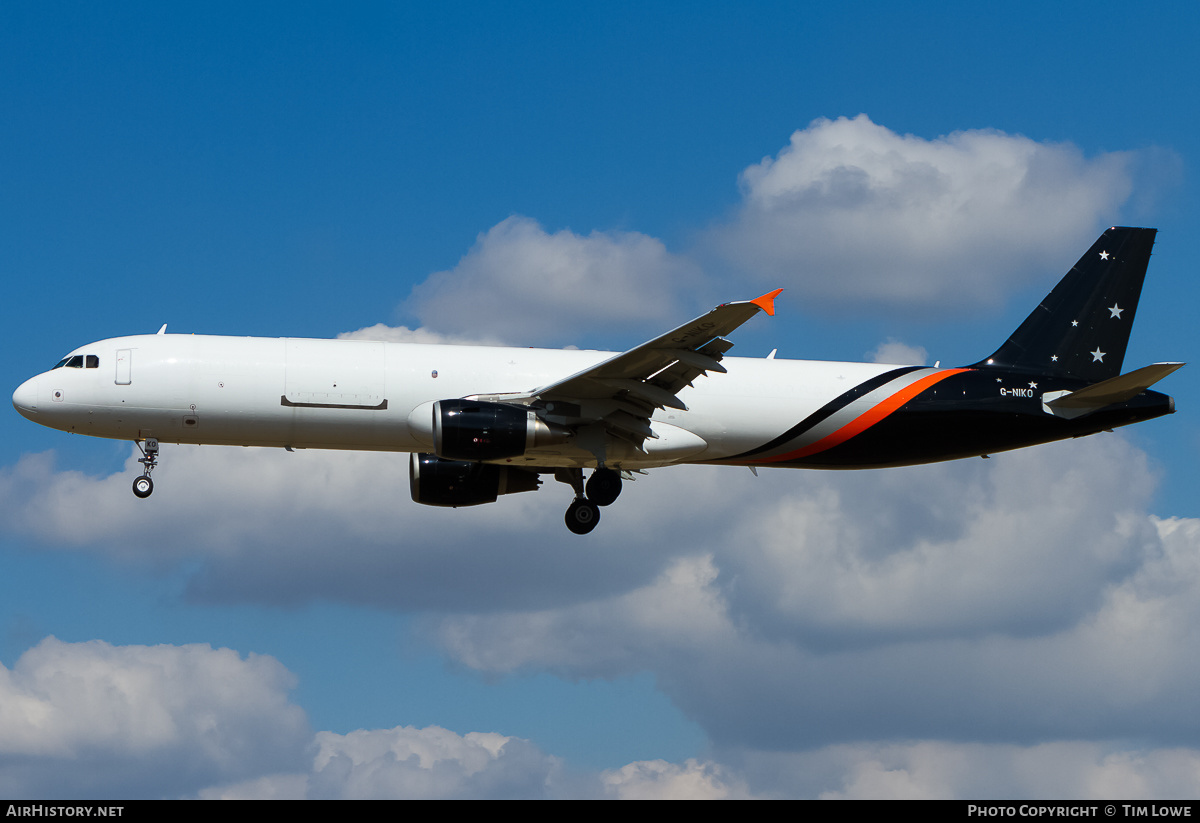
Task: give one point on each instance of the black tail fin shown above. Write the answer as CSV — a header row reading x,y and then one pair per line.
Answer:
x,y
1082,327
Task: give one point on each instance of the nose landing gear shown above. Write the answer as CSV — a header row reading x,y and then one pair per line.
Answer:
x,y
143,486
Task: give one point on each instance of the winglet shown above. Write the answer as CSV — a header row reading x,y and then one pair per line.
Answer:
x,y
767,302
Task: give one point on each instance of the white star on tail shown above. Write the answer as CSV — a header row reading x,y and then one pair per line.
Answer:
x,y
1103,255
1115,311
1097,355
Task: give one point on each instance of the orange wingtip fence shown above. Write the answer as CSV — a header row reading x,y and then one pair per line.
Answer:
x,y
767,302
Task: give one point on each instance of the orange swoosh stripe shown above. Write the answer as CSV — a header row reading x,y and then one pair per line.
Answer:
x,y
870,417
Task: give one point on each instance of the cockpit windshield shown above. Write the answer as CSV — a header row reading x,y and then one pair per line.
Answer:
x,y
79,361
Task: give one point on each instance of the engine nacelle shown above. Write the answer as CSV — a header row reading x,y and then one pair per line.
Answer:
x,y
437,482
478,430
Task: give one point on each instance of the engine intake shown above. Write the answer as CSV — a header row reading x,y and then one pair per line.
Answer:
x,y
437,482
478,430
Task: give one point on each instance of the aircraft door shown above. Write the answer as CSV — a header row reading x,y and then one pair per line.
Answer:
x,y
124,362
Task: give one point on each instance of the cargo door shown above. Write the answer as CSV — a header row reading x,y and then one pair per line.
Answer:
x,y
335,374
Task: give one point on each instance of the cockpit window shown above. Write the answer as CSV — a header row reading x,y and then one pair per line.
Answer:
x,y
76,362
93,362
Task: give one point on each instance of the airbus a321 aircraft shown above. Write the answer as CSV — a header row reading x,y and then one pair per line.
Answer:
x,y
480,422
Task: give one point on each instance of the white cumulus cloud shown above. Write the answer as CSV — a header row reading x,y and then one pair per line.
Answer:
x,y
525,285
930,769
895,352
660,780
852,213
429,763
93,719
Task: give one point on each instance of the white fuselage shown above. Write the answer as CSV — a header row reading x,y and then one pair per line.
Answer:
x,y
363,395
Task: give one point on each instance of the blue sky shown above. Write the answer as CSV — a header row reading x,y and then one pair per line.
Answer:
x,y
915,176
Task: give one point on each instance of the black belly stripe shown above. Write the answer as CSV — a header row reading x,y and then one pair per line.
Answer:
x,y
830,408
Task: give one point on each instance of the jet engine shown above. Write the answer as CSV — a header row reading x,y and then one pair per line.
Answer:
x,y
437,482
478,430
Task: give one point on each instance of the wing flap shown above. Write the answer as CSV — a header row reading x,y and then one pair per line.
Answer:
x,y
697,360
636,427
643,390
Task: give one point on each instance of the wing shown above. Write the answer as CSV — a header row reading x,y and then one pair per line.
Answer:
x,y
622,393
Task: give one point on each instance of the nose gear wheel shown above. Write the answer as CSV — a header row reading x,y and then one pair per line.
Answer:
x,y
143,486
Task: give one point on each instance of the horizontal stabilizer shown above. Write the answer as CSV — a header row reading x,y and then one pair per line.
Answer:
x,y
1105,393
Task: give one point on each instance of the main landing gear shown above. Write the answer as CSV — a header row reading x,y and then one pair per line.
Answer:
x,y
143,486
602,489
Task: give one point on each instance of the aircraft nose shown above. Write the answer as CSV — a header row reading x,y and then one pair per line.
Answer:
x,y
25,398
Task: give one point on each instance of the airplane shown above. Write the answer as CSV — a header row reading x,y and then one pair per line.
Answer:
x,y
483,421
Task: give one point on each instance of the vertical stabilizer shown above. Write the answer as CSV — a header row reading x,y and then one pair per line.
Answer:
x,y
1082,327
